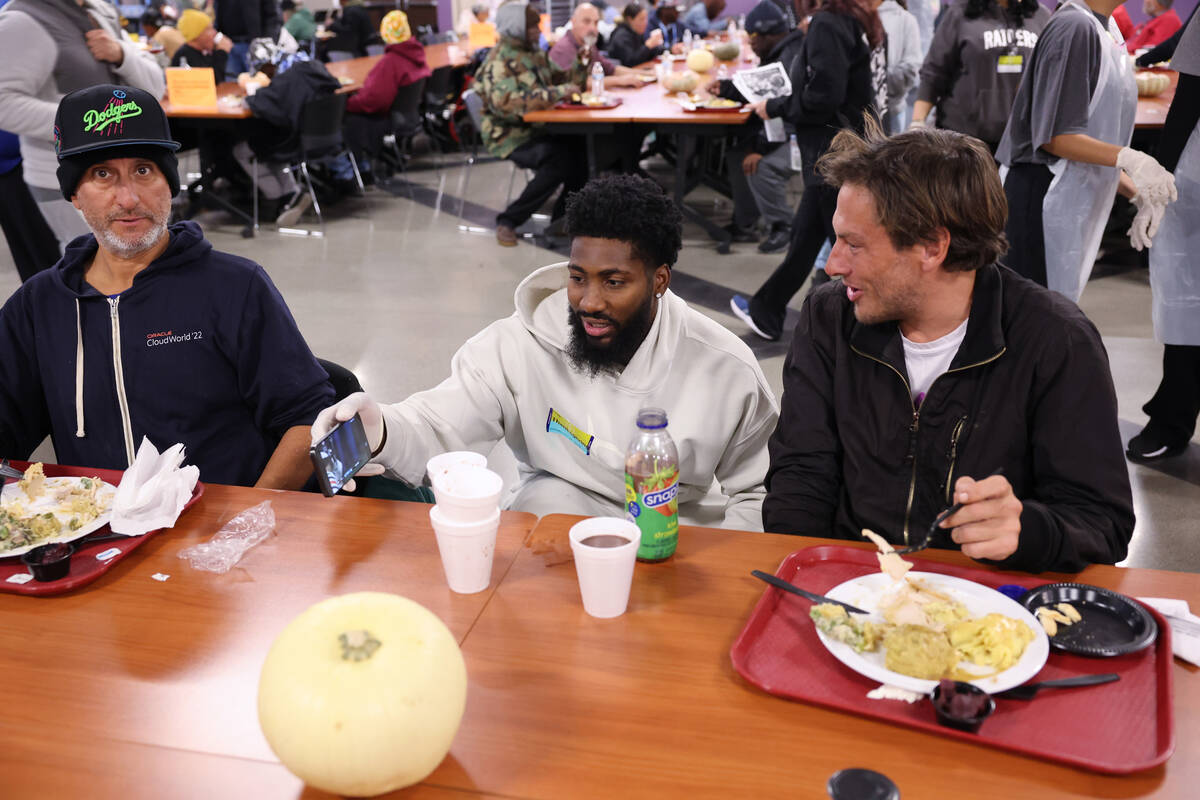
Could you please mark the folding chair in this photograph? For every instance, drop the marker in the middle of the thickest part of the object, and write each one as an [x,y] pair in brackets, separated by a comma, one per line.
[320,137]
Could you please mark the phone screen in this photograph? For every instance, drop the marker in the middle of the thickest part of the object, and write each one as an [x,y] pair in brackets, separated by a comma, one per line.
[340,454]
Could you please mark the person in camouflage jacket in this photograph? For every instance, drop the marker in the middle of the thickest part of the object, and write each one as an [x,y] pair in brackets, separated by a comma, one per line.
[517,78]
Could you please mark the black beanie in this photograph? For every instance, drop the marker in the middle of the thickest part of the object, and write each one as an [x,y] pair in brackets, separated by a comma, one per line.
[107,121]
[72,168]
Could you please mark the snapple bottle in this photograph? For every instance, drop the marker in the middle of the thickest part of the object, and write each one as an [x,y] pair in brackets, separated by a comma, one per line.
[652,486]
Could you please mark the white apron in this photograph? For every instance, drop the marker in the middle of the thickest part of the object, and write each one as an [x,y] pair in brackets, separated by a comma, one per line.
[1077,204]
[1175,256]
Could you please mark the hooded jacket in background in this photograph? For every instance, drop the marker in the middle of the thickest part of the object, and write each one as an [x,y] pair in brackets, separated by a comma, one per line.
[354,29]
[281,102]
[301,24]
[45,57]
[509,381]
[962,75]
[402,64]
[1028,391]
[904,55]
[200,350]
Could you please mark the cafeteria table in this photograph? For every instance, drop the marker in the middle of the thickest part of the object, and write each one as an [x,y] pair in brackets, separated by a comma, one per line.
[134,688]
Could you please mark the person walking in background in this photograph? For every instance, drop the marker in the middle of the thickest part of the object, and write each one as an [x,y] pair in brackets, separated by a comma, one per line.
[832,89]
[243,21]
[974,66]
[47,49]
[904,58]
[1175,270]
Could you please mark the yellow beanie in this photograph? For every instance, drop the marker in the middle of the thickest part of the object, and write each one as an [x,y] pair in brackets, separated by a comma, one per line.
[192,23]
[394,28]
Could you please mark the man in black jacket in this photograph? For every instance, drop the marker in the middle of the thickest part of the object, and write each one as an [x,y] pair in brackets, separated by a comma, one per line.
[758,168]
[929,366]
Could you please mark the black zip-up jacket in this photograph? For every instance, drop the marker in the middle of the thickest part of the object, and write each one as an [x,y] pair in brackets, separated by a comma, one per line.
[243,20]
[754,138]
[831,85]
[626,47]
[1029,391]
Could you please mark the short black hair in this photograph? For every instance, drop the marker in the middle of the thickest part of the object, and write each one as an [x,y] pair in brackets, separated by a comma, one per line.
[628,208]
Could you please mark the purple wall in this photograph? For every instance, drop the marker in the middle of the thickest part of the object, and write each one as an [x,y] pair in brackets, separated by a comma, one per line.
[446,15]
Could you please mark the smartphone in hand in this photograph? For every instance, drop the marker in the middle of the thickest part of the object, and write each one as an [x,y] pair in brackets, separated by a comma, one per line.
[339,455]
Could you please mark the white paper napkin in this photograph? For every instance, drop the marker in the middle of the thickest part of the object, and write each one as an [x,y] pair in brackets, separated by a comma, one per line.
[153,491]
[1185,626]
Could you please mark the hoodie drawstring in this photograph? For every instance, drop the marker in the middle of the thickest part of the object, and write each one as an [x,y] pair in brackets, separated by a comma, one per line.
[79,431]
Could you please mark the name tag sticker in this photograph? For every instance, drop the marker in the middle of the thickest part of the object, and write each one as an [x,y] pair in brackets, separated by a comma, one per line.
[110,553]
[1010,63]
[557,423]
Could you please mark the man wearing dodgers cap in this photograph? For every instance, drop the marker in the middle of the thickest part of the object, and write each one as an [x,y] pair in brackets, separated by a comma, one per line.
[143,329]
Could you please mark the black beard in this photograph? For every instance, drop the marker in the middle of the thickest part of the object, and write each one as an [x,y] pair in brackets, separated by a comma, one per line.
[591,359]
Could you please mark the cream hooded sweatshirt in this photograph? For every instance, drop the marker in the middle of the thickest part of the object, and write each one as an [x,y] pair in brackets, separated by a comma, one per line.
[513,379]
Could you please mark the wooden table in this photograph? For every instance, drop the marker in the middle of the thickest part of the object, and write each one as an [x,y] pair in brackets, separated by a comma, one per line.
[1152,111]
[130,678]
[135,688]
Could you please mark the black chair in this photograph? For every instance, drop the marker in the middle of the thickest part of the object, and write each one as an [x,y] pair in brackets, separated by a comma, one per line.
[406,122]
[320,136]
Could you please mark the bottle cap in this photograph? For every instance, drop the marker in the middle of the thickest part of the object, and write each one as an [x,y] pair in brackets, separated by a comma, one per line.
[652,419]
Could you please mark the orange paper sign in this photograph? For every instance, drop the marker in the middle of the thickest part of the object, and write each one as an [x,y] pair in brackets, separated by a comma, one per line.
[483,34]
[191,88]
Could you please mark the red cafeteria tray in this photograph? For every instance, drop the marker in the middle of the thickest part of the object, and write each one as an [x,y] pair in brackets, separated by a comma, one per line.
[1117,728]
[85,567]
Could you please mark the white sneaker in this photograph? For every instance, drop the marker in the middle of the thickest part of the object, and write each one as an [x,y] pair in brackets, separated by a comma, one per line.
[291,215]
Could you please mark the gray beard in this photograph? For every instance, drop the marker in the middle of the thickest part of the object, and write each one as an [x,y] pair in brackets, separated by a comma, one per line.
[128,248]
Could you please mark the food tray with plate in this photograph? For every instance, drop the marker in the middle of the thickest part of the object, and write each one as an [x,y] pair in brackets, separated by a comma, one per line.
[85,566]
[1115,728]
[609,102]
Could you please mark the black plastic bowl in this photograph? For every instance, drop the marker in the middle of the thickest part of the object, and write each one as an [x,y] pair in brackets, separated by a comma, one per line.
[49,562]
[945,717]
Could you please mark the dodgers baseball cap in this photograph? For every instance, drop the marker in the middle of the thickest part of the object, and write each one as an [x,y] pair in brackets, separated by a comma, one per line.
[108,121]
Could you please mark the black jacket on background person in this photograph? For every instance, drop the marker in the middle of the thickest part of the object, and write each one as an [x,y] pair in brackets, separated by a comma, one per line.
[280,103]
[626,47]
[186,54]
[754,138]
[354,30]
[243,20]
[1029,391]
[831,85]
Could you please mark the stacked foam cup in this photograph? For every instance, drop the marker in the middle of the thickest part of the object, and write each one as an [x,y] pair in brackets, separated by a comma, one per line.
[465,518]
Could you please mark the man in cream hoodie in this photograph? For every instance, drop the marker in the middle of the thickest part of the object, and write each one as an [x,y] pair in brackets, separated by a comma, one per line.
[49,48]
[592,341]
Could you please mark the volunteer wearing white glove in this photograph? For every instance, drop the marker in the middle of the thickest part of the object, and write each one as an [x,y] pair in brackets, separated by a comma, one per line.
[1066,150]
[561,381]
[1175,270]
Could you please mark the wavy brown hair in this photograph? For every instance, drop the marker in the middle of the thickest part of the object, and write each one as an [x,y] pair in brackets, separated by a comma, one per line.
[923,180]
[862,13]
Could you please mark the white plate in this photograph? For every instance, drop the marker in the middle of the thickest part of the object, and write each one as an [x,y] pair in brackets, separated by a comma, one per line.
[12,493]
[866,592]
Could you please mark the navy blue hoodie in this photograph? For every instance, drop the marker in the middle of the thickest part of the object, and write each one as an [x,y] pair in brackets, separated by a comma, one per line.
[208,351]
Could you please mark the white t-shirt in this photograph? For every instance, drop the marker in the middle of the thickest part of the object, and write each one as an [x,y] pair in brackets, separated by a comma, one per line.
[925,361]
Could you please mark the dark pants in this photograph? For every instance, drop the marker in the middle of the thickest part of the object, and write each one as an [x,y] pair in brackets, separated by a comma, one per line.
[364,134]
[555,161]
[1176,404]
[32,243]
[1025,187]
[811,228]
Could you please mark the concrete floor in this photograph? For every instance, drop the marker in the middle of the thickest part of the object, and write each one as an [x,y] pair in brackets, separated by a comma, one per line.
[399,281]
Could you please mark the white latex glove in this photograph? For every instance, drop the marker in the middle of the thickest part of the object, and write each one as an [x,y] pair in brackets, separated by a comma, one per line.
[1153,182]
[1145,223]
[915,124]
[372,418]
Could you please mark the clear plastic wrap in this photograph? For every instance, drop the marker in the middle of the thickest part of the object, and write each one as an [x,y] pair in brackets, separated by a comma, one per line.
[236,536]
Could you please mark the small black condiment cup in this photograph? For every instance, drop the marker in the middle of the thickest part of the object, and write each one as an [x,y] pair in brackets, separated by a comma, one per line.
[968,724]
[49,562]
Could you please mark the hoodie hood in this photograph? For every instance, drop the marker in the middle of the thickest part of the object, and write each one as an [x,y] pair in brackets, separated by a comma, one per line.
[541,305]
[410,50]
[187,245]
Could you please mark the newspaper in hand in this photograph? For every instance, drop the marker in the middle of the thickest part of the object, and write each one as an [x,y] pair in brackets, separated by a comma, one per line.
[765,83]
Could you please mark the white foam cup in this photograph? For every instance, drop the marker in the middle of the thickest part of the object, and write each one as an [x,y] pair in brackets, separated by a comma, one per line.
[467,494]
[605,573]
[455,458]
[466,549]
